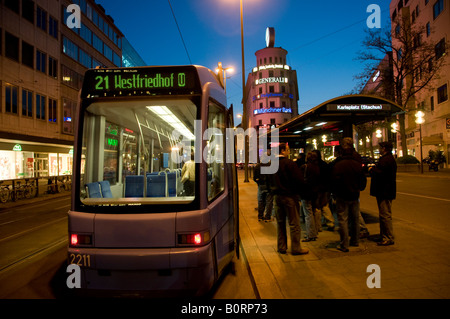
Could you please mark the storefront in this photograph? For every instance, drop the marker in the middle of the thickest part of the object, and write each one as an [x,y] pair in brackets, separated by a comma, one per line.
[21,159]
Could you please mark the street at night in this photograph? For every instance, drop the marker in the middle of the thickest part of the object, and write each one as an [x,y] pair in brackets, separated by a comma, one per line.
[416,267]
[224,157]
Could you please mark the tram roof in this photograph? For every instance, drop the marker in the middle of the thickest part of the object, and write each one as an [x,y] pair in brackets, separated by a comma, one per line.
[338,112]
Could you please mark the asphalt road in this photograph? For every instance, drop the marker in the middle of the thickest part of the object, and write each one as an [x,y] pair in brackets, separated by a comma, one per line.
[33,239]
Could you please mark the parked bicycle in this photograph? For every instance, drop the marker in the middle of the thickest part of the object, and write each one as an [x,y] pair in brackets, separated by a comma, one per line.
[4,193]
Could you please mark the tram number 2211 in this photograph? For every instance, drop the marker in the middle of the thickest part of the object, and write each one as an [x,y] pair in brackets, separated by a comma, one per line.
[81,260]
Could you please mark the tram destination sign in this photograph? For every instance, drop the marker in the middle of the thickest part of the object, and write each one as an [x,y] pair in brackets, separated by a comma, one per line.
[140,81]
[358,107]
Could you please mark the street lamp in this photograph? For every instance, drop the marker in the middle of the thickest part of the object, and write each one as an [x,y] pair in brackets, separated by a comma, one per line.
[222,74]
[420,120]
[244,98]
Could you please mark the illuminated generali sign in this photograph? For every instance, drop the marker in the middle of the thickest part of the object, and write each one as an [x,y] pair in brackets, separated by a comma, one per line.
[271,80]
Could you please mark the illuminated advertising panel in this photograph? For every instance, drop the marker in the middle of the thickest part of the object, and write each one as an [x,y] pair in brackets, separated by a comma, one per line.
[272,110]
[358,107]
[141,81]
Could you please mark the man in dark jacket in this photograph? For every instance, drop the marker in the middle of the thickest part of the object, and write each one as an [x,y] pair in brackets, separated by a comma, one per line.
[347,181]
[265,196]
[383,187]
[285,183]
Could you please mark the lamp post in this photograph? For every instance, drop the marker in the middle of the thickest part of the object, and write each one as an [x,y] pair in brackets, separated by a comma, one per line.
[244,98]
[222,74]
[420,120]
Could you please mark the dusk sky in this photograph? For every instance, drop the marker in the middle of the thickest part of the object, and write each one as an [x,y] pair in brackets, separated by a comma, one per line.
[322,38]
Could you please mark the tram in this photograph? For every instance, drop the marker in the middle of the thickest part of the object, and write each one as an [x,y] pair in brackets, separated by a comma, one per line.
[154,200]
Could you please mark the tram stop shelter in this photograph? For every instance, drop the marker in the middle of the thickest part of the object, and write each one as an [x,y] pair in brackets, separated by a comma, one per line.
[326,124]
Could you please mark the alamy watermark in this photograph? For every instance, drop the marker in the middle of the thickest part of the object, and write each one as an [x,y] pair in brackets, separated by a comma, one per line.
[74,19]
[213,152]
[374,19]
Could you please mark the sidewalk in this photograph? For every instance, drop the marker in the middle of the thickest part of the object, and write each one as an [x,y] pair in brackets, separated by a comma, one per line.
[416,267]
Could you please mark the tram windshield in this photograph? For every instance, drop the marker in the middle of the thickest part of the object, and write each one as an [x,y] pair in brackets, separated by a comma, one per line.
[138,152]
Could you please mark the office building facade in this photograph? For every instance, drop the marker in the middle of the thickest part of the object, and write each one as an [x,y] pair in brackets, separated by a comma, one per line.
[433,17]
[44,53]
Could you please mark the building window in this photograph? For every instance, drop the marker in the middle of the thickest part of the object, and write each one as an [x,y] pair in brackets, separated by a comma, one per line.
[41,19]
[27,54]
[85,59]
[71,78]
[52,67]
[11,46]
[68,107]
[432,103]
[11,98]
[27,103]
[272,121]
[437,8]
[117,59]
[271,104]
[41,61]
[97,43]
[13,5]
[40,107]
[70,49]
[28,10]
[53,27]
[52,107]
[86,33]
[442,94]
[439,48]
[428,29]
[108,52]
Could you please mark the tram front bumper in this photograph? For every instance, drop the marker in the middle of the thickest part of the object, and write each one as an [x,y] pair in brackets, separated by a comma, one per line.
[155,269]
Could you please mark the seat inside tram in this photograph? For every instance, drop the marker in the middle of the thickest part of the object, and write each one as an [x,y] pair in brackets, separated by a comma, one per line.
[136,150]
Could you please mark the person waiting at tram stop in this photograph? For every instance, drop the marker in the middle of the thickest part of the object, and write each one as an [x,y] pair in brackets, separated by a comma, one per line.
[347,180]
[285,183]
[265,196]
[363,230]
[308,194]
[383,188]
[321,204]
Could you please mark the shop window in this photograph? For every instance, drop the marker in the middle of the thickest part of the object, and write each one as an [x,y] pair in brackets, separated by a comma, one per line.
[11,98]
[27,103]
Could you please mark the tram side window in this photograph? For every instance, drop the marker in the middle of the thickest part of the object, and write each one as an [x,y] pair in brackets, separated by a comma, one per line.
[110,161]
[215,155]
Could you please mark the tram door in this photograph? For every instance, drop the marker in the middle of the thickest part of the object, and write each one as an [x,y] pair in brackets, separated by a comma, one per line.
[233,181]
